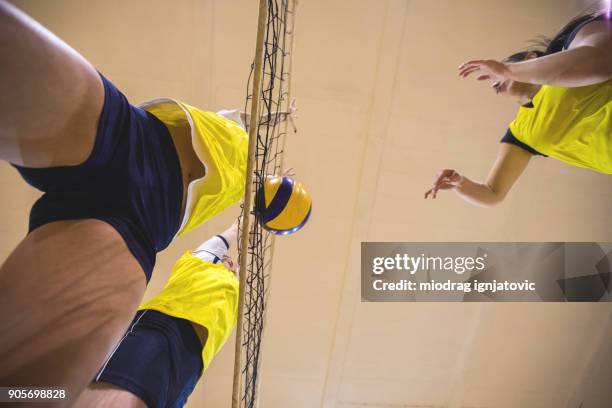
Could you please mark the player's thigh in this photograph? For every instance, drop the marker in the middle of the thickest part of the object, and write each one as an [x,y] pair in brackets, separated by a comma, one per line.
[51,96]
[67,294]
[105,395]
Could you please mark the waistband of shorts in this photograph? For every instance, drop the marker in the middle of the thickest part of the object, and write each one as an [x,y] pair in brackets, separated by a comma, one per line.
[182,327]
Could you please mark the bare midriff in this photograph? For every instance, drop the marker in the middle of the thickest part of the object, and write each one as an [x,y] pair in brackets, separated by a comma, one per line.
[201,332]
[191,166]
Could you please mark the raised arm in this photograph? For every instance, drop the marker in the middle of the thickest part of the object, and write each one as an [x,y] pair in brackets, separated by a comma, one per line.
[216,247]
[276,118]
[231,234]
[588,61]
[510,163]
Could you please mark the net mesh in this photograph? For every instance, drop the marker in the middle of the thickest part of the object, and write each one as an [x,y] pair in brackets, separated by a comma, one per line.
[274,101]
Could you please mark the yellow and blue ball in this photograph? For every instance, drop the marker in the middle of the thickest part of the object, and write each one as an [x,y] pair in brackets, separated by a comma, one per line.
[282,205]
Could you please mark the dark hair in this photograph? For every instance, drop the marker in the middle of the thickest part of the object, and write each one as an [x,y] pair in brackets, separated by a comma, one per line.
[543,45]
[520,56]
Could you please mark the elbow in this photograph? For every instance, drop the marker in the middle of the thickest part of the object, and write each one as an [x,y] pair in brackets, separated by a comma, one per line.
[481,195]
[599,69]
[494,197]
[490,202]
[602,73]
[594,67]
[494,203]
[605,67]
[608,70]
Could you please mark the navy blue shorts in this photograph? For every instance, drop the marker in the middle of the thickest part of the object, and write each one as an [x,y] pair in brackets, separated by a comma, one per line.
[132,180]
[159,359]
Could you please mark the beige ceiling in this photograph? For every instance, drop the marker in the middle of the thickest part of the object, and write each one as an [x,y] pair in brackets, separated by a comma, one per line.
[381,110]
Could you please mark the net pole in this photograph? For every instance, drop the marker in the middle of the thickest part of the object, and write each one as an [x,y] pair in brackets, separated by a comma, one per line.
[248,200]
[291,6]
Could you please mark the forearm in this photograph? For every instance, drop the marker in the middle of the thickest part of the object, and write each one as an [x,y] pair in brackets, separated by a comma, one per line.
[231,234]
[273,119]
[477,193]
[580,66]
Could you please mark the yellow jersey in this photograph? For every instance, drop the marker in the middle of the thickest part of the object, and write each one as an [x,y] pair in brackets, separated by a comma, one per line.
[573,125]
[221,145]
[203,293]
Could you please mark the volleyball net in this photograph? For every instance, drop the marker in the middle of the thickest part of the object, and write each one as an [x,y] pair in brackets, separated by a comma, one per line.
[268,96]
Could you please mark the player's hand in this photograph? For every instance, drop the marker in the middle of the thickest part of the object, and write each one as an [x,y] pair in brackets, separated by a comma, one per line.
[293,108]
[229,263]
[445,180]
[489,69]
[290,172]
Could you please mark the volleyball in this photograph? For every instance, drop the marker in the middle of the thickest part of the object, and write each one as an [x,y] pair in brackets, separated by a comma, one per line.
[282,205]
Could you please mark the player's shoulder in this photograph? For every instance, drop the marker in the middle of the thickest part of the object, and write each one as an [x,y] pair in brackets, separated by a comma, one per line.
[594,32]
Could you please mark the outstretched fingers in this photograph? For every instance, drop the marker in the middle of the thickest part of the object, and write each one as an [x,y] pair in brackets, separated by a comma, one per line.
[469,68]
[445,180]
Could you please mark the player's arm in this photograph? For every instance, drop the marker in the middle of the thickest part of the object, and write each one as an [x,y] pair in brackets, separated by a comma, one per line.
[215,248]
[588,60]
[276,118]
[510,164]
